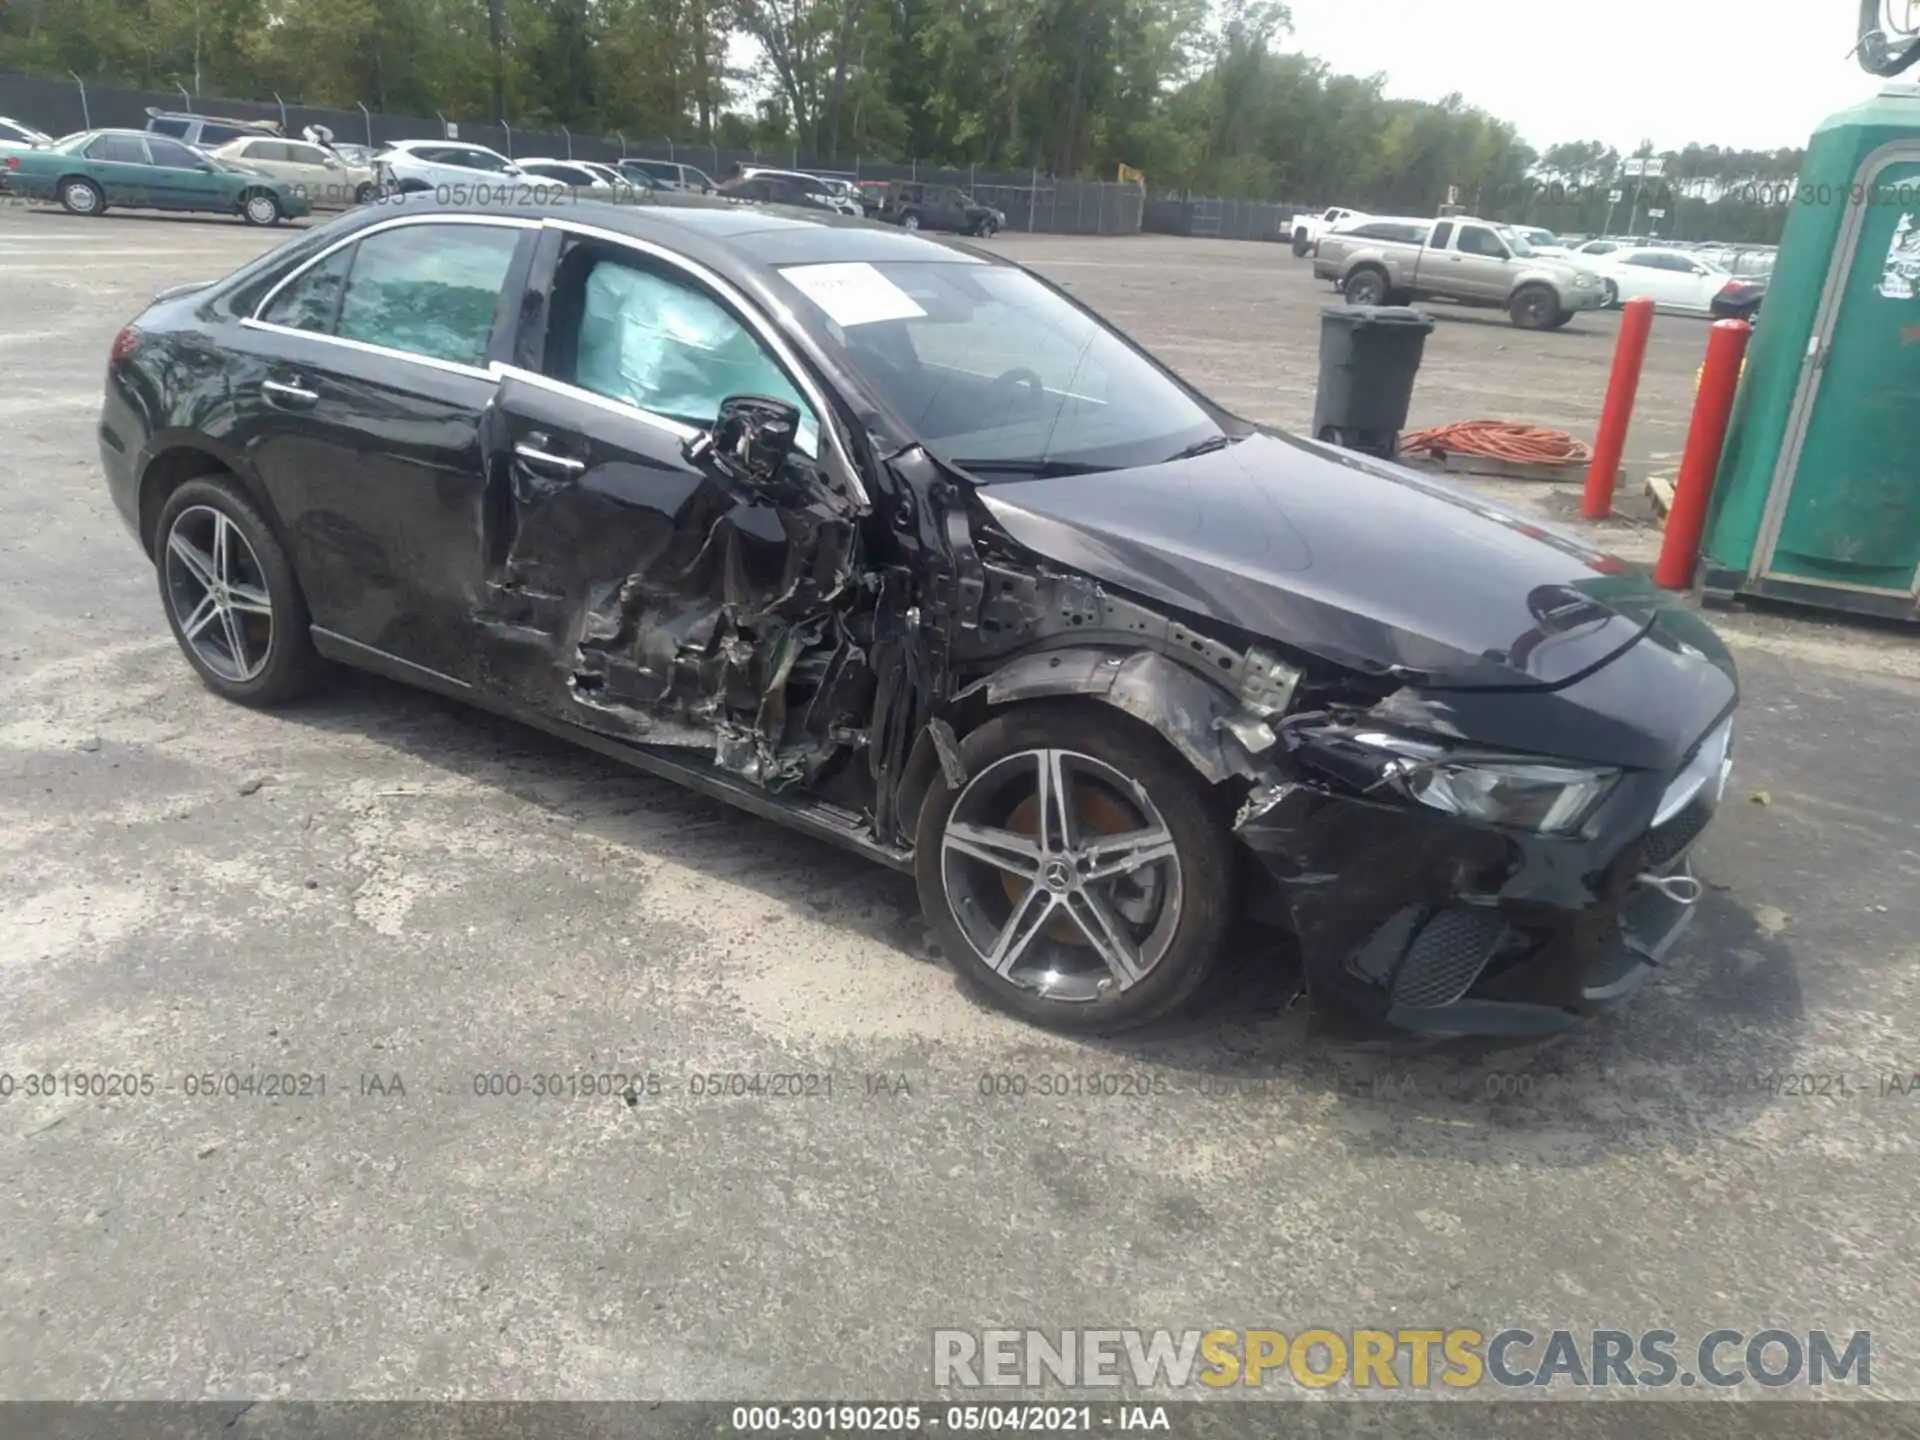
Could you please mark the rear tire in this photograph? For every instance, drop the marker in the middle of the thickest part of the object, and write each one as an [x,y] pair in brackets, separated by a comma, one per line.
[1366,287]
[1161,922]
[82,197]
[364,195]
[1533,307]
[1300,245]
[231,597]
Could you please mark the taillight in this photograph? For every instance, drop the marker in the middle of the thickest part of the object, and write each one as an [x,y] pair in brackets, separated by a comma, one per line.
[124,344]
[13,162]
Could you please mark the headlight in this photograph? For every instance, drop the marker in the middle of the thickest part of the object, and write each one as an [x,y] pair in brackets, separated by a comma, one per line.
[1530,795]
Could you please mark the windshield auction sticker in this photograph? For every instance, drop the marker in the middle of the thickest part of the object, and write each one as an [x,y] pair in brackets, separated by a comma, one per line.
[853,293]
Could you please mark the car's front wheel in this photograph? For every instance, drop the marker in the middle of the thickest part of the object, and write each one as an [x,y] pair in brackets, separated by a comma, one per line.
[82,197]
[1080,877]
[1609,294]
[909,221]
[260,208]
[231,597]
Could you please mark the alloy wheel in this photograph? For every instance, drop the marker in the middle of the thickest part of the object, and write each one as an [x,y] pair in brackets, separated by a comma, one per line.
[1062,874]
[912,222]
[218,594]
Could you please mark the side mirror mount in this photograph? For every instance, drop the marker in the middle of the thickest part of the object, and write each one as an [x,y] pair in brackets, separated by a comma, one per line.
[750,440]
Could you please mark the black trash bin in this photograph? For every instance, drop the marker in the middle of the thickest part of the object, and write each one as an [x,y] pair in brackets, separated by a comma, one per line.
[1369,355]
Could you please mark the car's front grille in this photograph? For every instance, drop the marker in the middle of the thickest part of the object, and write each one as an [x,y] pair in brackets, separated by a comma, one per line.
[1666,843]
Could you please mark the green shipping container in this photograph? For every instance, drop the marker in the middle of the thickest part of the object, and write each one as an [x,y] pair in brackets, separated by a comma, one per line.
[1818,494]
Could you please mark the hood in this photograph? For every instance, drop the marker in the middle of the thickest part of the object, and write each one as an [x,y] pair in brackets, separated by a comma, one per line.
[1359,562]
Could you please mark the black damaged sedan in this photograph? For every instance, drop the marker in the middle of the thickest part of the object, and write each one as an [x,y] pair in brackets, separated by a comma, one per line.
[892,541]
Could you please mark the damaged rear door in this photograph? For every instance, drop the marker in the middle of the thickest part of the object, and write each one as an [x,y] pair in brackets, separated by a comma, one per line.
[638,591]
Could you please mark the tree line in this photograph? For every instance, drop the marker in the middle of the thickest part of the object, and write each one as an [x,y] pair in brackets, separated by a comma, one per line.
[1201,97]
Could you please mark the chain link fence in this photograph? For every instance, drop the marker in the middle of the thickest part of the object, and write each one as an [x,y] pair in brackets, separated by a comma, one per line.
[1209,217]
[1032,201]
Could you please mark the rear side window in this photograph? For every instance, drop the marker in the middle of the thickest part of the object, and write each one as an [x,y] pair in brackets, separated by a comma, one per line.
[428,289]
[118,150]
[211,134]
[1442,233]
[313,301]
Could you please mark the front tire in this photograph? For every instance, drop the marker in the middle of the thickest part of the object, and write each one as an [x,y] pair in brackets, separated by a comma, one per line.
[1609,294]
[82,197]
[260,208]
[231,597]
[909,221]
[1300,245]
[364,195]
[1081,877]
[1534,307]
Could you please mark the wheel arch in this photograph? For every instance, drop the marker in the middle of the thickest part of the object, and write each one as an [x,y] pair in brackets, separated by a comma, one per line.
[170,467]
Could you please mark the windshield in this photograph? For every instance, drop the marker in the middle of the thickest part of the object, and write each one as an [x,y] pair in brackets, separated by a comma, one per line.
[999,373]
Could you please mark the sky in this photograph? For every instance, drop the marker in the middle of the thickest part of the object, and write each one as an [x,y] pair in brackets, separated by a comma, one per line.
[1749,76]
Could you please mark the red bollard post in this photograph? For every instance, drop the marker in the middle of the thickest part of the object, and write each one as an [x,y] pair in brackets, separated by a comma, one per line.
[1706,438]
[1636,324]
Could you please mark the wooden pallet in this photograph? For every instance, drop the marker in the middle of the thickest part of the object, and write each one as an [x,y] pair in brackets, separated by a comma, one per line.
[1453,464]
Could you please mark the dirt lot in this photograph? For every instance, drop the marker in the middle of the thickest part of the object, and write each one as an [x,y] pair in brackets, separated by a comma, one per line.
[407,899]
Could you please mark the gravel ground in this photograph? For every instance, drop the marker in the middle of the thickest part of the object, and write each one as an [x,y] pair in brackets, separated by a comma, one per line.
[387,891]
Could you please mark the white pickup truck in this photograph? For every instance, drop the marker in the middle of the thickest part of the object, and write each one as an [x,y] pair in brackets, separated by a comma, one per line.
[1307,229]
[1392,262]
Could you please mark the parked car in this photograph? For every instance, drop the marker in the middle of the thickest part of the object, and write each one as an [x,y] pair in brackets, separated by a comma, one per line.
[839,194]
[1306,230]
[913,205]
[327,182]
[580,177]
[771,188]
[1541,242]
[88,172]
[205,133]
[1460,259]
[637,183]
[16,136]
[1676,281]
[359,156]
[908,550]
[410,166]
[670,175]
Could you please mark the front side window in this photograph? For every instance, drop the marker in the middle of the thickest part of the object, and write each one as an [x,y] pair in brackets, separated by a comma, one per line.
[428,289]
[172,155]
[998,372]
[1475,240]
[649,339]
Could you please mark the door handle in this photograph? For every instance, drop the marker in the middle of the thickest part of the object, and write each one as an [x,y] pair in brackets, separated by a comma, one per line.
[290,393]
[534,455]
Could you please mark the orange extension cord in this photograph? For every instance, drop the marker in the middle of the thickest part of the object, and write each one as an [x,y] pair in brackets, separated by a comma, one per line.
[1500,440]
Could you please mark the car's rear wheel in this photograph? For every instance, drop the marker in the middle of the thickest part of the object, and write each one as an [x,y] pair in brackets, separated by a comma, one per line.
[364,195]
[82,197]
[1300,245]
[1080,877]
[260,208]
[1366,287]
[231,597]
[1533,307]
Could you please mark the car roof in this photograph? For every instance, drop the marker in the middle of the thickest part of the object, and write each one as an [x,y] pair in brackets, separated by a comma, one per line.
[744,241]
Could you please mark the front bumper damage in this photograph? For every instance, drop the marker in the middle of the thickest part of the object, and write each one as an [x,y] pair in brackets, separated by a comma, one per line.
[1412,920]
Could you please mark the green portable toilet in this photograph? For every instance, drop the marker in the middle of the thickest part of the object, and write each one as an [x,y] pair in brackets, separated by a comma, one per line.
[1818,494]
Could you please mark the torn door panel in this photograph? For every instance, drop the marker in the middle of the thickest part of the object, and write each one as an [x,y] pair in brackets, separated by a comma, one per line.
[675,608]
